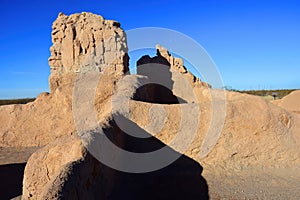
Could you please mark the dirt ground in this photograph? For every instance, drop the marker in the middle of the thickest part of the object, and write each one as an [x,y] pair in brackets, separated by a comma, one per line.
[15,155]
[12,165]
[279,184]
[245,184]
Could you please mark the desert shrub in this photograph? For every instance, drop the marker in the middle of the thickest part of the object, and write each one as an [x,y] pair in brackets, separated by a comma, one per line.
[15,101]
[279,93]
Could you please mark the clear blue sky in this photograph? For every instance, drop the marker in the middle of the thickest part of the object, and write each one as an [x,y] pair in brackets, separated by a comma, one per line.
[255,44]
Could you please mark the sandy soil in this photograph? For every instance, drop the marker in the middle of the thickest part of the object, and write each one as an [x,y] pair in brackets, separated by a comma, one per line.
[253,184]
[15,155]
[290,102]
[12,164]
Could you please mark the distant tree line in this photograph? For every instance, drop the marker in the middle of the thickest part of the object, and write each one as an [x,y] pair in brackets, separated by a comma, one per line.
[278,93]
[15,101]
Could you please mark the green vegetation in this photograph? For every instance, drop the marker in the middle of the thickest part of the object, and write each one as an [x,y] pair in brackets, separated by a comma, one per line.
[279,93]
[264,93]
[16,101]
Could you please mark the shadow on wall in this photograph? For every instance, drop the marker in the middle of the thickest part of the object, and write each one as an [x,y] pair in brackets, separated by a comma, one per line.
[159,90]
[180,180]
[11,177]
